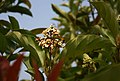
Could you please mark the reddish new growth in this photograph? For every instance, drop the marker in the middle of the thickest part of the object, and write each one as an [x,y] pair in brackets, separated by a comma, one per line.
[51,39]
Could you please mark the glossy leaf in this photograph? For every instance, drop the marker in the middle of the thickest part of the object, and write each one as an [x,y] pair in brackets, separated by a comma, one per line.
[36,52]
[59,11]
[71,3]
[37,30]
[108,73]
[4,30]
[118,7]
[83,44]
[65,4]
[53,76]
[5,23]
[12,57]
[105,32]
[29,44]
[25,80]
[74,6]
[3,43]
[108,15]
[14,23]
[26,32]
[27,63]
[57,18]
[12,1]
[30,71]
[19,38]
[13,72]
[27,2]
[20,9]
[11,47]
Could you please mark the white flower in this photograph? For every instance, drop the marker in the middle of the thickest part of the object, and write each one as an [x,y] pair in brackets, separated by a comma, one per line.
[51,38]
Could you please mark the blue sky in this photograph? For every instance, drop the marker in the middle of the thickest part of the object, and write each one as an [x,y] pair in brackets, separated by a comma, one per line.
[42,14]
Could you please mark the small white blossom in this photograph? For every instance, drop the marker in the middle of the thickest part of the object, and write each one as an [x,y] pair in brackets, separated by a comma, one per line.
[51,38]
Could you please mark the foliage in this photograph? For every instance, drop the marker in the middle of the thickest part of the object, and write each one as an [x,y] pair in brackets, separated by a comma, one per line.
[93,30]
[90,34]
[12,6]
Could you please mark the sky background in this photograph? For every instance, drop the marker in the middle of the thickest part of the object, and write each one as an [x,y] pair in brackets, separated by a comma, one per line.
[42,14]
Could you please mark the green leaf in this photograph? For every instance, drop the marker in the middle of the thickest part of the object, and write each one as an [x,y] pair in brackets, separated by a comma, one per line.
[72,17]
[83,44]
[74,6]
[14,23]
[59,11]
[65,4]
[29,44]
[11,47]
[57,19]
[20,9]
[37,30]
[105,32]
[12,1]
[25,80]
[108,15]
[3,43]
[27,2]
[4,30]
[5,23]
[71,3]
[118,6]
[12,57]
[19,38]
[30,71]
[108,73]
[27,63]
[1,4]
[26,32]
[36,51]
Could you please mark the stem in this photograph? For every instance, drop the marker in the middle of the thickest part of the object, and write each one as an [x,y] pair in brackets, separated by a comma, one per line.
[92,11]
[72,31]
[32,78]
[50,66]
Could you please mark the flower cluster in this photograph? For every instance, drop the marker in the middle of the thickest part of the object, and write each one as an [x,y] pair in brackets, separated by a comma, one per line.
[88,62]
[51,38]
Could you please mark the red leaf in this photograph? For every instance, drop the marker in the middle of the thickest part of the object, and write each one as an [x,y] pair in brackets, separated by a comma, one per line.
[4,66]
[37,74]
[13,71]
[55,71]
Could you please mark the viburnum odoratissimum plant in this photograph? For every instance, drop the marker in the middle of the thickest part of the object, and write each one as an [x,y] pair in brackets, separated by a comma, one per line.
[51,42]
